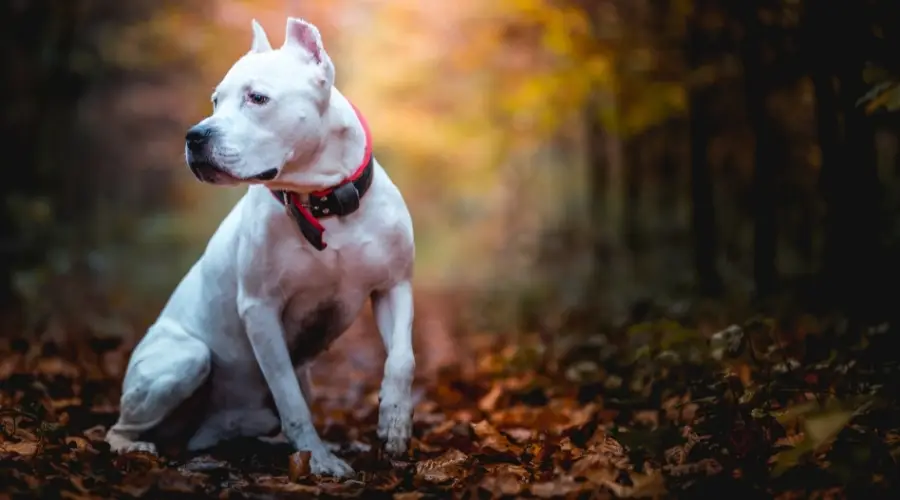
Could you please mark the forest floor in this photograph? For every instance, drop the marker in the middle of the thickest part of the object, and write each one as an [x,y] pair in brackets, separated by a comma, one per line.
[663,408]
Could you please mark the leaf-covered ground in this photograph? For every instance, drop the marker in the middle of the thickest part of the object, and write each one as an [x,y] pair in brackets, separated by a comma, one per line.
[661,409]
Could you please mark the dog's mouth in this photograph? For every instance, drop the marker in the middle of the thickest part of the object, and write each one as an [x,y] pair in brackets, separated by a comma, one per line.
[211,174]
[267,175]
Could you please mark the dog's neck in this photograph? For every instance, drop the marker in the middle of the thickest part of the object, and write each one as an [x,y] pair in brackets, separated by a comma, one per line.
[339,154]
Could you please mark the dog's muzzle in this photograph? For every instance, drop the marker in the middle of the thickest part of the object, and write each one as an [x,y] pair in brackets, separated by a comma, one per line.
[197,144]
[207,172]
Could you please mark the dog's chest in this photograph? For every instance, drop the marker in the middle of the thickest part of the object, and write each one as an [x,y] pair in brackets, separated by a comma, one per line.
[310,329]
[326,293]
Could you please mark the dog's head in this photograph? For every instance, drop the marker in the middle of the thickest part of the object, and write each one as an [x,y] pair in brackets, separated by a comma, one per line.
[267,111]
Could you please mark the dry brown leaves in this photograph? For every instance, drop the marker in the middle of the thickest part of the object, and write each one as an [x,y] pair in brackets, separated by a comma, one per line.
[486,433]
[487,436]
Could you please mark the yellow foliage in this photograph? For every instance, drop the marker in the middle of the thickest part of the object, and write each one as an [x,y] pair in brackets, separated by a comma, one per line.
[885,95]
[655,102]
[567,64]
[453,91]
[149,45]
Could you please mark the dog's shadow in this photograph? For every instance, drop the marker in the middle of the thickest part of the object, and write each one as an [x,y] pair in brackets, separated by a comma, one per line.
[244,455]
[268,456]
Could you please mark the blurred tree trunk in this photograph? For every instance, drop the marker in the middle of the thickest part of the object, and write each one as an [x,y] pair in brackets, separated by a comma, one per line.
[598,181]
[7,252]
[633,179]
[61,173]
[607,176]
[670,198]
[703,217]
[849,179]
[756,92]
[667,201]
[38,99]
[59,94]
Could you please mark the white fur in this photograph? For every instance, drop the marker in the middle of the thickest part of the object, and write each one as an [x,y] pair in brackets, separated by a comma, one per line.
[251,297]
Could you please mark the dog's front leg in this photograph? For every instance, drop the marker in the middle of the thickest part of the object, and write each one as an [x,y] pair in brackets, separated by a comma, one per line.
[266,335]
[393,310]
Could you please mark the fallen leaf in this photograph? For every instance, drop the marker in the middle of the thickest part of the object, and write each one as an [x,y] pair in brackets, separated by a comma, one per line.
[55,366]
[411,495]
[283,484]
[386,482]
[59,404]
[707,466]
[24,448]
[520,435]
[647,418]
[676,455]
[650,485]
[172,481]
[204,463]
[79,443]
[96,433]
[606,445]
[597,468]
[493,442]
[558,487]
[555,417]
[505,479]
[298,465]
[445,468]
[488,403]
[420,446]
[570,448]
[791,414]
[821,429]
[580,416]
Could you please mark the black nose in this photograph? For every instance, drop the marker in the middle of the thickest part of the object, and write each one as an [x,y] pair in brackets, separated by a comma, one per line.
[197,136]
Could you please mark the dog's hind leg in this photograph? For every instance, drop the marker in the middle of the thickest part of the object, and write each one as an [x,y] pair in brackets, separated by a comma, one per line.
[230,424]
[166,368]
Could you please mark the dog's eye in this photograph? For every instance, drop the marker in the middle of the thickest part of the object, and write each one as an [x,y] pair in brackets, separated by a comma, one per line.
[257,98]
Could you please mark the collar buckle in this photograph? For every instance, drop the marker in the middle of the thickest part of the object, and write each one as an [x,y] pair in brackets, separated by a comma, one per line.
[347,197]
[287,199]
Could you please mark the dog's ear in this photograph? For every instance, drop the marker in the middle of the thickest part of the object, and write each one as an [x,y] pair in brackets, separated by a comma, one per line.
[304,36]
[260,40]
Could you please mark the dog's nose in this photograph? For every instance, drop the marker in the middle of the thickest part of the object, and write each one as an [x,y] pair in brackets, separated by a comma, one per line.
[197,136]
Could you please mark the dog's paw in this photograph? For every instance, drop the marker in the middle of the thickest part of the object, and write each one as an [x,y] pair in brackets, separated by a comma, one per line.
[395,426]
[122,444]
[141,446]
[326,463]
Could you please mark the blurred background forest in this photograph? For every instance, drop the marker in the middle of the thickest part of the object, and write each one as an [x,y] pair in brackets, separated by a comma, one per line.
[564,160]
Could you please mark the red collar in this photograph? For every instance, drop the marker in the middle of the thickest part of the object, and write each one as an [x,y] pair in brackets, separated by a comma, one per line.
[339,200]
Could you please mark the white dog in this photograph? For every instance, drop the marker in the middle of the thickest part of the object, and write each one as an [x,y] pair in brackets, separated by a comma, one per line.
[320,230]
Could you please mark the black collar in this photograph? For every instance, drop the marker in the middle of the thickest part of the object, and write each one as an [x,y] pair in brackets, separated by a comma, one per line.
[337,201]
